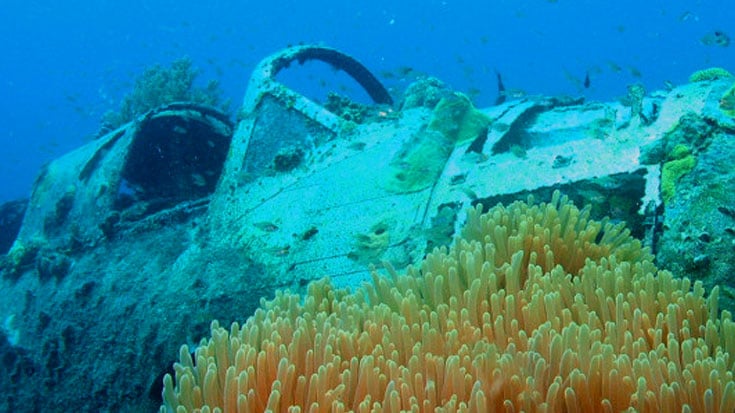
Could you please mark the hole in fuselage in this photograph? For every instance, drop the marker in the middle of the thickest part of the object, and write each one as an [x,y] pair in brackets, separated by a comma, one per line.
[172,159]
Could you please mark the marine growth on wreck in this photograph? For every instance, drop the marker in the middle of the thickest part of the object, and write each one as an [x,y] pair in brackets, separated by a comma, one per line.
[415,251]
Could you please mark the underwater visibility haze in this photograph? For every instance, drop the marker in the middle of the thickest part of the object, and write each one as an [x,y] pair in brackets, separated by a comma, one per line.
[367,206]
[65,64]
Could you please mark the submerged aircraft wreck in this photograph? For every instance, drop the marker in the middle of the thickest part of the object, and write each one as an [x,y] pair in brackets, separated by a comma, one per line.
[131,245]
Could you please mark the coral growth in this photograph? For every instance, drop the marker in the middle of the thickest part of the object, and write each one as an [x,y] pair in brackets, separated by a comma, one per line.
[680,163]
[159,85]
[534,308]
[727,102]
[712,73]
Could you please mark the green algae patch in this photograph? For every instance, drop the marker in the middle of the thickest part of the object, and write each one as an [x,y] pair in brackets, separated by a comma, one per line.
[419,162]
[727,102]
[712,73]
[421,159]
[458,119]
[674,169]
[680,151]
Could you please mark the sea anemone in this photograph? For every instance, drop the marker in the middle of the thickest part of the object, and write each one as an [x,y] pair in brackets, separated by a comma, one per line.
[534,308]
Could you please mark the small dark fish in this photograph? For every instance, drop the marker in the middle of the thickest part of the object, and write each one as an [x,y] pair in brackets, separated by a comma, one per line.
[198,180]
[309,233]
[614,66]
[266,226]
[473,92]
[405,70]
[501,89]
[586,80]
[716,38]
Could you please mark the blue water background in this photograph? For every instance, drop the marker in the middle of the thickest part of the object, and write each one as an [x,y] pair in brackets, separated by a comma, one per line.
[65,63]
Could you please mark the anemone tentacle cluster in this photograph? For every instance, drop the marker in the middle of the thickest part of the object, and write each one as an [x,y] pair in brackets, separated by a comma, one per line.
[534,308]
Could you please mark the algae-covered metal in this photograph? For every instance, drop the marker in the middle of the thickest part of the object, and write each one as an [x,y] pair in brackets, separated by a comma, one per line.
[133,243]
